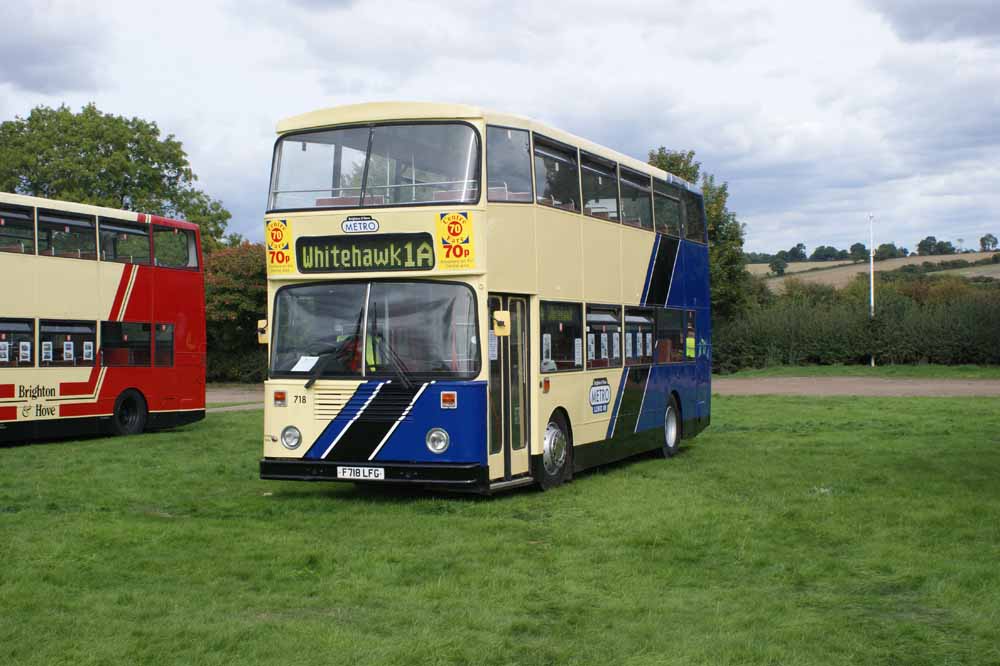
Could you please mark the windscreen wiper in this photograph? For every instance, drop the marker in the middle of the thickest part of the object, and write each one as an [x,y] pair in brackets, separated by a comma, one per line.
[323,357]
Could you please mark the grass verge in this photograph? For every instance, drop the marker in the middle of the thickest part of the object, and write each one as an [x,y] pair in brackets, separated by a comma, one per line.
[879,371]
[793,531]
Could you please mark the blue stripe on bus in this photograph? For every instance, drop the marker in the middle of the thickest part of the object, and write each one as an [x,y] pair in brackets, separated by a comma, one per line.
[649,270]
[618,403]
[341,421]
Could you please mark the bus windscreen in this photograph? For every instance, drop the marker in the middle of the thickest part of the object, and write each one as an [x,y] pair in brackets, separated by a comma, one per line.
[383,165]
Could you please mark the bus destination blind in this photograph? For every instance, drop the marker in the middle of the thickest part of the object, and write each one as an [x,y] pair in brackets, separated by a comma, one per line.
[357,254]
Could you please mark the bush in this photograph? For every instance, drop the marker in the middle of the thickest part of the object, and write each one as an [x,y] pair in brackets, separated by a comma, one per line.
[235,298]
[244,366]
[945,320]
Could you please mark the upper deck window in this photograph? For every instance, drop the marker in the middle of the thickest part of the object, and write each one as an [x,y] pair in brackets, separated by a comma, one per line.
[126,242]
[600,187]
[174,248]
[17,230]
[381,165]
[508,164]
[66,235]
[694,217]
[667,206]
[556,180]
[637,207]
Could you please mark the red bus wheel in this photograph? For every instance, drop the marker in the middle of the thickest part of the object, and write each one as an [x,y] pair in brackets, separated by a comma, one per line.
[130,413]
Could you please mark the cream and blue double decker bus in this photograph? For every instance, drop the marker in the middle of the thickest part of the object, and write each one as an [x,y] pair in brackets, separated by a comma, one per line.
[475,301]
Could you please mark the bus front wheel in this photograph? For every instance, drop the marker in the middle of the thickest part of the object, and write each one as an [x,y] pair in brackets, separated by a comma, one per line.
[671,429]
[130,413]
[557,454]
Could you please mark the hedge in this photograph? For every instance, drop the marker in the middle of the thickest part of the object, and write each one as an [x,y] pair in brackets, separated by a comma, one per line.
[947,322]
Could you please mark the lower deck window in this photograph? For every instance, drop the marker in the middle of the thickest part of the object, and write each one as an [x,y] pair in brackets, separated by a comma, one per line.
[639,336]
[66,344]
[17,338]
[164,353]
[562,336]
[669,336]
[125,343]
[604,329]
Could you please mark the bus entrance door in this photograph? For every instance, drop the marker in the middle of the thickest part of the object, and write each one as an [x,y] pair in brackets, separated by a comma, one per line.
[508,389]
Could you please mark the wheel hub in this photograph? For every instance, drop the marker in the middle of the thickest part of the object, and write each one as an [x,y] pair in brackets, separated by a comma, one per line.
[554,450]
[670,428]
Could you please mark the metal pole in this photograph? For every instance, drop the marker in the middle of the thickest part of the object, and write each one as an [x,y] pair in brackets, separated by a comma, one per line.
[871,273]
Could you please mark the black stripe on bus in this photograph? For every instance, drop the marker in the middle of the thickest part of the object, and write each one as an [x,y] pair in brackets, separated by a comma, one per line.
[374,423]
[663,267]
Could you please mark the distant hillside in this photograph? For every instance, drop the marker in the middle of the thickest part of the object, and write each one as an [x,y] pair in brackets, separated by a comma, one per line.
[839,275]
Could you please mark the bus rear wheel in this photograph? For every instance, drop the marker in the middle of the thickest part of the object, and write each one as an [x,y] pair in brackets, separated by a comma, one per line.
[671,429]
[130,413]
[556,465]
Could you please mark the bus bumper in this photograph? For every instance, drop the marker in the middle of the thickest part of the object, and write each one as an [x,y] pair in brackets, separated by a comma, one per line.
[471,477]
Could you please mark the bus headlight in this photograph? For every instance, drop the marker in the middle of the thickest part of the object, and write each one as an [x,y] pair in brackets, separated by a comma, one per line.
[291,437]
[438,440]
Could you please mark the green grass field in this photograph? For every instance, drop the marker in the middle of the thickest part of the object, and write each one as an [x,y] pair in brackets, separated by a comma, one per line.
[793,531]
[880,371]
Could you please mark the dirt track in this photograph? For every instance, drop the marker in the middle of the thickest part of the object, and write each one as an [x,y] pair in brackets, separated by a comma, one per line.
[253,395]
[861,386]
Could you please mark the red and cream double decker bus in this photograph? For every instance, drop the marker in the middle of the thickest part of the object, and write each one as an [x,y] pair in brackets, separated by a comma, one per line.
[102,320]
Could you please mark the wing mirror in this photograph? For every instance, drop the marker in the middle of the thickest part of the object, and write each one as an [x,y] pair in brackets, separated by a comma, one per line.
[501,323]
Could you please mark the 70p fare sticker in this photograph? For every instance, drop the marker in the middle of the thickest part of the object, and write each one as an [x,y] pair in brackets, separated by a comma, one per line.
[280,258]
[455,247]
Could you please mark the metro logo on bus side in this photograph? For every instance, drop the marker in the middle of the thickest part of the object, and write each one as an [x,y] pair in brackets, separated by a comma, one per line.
[600,396]
[279,247]
[456,250]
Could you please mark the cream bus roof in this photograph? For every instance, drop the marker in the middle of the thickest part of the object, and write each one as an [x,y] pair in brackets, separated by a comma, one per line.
[386,111]
[85,209]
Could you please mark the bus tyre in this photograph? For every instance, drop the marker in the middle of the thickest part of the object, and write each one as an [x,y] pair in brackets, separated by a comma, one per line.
[671,429]
[130,413]
[557,454]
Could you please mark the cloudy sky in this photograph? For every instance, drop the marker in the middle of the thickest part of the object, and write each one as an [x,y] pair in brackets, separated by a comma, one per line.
[815,113]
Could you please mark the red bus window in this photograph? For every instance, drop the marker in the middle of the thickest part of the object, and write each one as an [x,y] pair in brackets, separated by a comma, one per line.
[66,344]
[66,235]
[125,242]
[17,230]
[17,337]
[174,248]
[125,343]
[164,352]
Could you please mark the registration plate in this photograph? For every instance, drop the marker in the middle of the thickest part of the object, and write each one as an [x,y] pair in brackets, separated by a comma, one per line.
[361,473]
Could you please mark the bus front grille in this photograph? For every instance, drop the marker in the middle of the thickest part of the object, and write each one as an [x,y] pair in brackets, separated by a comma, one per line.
[328,402]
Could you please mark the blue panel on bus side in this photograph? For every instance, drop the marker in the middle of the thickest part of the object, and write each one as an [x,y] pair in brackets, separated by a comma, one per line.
[679,377]
[466,426]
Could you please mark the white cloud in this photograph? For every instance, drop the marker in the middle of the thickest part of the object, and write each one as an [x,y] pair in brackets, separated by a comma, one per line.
[814,113]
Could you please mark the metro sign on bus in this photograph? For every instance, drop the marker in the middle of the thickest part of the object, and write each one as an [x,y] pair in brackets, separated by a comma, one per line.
[456,250]
[279,247]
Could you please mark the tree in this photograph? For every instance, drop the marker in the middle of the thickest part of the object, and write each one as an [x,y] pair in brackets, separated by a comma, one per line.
[98,158]
[778,266]
[826,253]
[797,253]
[927,246]
[988,243]
[859,252]
[731,283]
[235,298]
[886,251]
[944,247]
